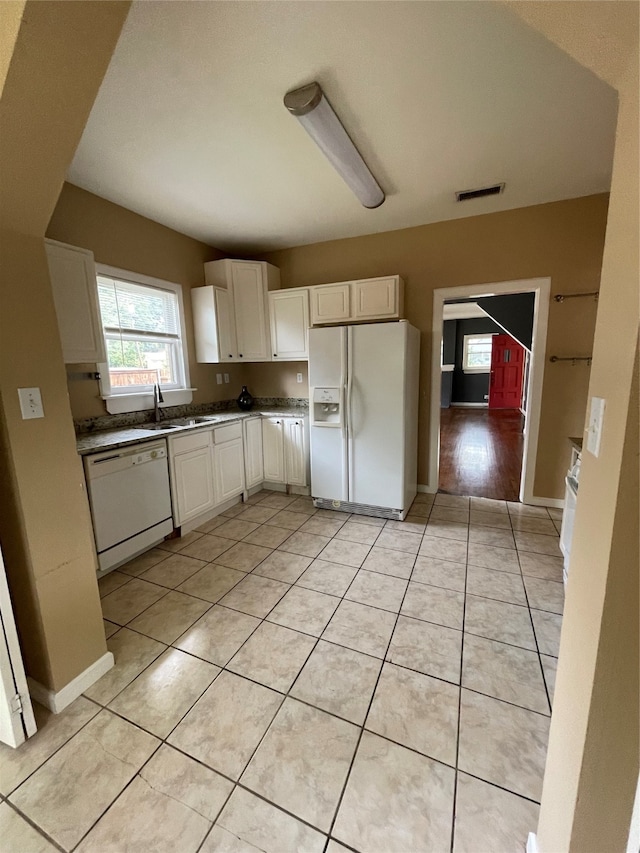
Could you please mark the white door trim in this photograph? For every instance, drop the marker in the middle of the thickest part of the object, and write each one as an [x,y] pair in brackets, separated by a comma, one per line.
[16,713]
[541,288]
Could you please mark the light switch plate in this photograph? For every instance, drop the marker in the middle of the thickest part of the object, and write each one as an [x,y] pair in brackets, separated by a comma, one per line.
[219,378]
[226,378]
[30,403]
[594,427]
[298,377]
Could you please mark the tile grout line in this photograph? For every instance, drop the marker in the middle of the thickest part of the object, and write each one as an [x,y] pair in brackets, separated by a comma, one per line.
[457,758]
[32,824]
[535,638]
[368,711]
[317,640]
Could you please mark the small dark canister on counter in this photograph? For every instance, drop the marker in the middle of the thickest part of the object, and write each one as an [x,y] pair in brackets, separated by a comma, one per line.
[245,400]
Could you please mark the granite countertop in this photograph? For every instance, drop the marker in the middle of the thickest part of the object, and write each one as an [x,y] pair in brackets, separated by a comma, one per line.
[111,439]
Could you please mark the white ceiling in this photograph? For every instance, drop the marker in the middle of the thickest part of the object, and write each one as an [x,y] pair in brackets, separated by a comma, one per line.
[189,128]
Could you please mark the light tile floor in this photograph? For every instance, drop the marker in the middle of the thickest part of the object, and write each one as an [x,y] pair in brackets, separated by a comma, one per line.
[296,680]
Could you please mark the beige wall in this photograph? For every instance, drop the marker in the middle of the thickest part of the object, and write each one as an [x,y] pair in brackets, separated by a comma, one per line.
[563,240]
[120,238]
[592,764]
[277,380]
[57,63]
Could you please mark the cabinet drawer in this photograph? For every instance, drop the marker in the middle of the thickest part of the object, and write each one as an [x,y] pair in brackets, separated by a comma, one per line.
[193,441]
[227,433]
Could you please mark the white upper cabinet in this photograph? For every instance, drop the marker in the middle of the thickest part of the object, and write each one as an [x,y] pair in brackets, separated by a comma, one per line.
[75,295]
[289,318]
[213,325]
[358,301]
[247,283]
[330,303]
[377,298]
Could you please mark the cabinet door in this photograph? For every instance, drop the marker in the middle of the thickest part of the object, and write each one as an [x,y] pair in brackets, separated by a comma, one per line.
[330,303]
[249,304]
[253,463]
[375,298]
[229,470]
[273,450]
[213,325]
[192,484]
[295,452]
[226,325]
[75,296]
[289,317]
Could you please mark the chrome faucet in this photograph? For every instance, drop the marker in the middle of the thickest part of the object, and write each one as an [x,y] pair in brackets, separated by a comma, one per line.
[157,399]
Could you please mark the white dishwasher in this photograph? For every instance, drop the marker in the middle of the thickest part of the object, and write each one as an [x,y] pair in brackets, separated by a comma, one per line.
[130,501]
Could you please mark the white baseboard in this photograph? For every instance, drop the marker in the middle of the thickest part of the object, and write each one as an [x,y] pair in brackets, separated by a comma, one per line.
[554,503]
[532,843]
[469,405]
[285,489]
[57,702]
[208,515]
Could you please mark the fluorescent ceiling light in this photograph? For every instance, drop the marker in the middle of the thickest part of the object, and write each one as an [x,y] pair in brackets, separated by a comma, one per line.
[314,112]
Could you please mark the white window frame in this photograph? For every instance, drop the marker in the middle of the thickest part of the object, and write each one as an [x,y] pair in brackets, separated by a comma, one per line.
[465,352]
[119,402]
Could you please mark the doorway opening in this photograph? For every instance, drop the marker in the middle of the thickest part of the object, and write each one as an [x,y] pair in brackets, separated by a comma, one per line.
[487,374]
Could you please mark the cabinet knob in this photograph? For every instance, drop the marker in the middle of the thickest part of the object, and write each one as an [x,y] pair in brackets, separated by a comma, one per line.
[230,356]
[275,355]
[240,354]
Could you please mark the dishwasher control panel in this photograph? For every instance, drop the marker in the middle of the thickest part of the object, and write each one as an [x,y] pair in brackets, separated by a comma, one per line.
[149,455]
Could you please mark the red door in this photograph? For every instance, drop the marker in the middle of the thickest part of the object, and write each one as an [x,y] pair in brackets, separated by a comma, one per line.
[507,368]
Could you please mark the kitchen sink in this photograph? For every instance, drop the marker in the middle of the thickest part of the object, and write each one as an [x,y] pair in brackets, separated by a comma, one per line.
[160,426]
[193,421]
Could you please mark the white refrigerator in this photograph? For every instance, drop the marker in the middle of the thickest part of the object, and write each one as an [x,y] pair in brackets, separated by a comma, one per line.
[364,417]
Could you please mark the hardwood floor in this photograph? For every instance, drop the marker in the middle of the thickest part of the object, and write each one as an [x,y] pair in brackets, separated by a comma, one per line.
[481,452]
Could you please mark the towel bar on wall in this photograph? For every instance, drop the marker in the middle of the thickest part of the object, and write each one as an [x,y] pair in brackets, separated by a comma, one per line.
[560,297]
[74,377]
[572,358]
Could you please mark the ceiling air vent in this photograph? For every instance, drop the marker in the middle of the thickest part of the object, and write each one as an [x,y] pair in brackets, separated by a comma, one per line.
[465,195]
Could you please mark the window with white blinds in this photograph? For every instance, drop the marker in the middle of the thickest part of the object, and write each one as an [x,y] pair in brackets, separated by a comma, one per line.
[142,331]
[476,353]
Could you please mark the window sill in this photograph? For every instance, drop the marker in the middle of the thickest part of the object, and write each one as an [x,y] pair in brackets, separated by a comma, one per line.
[476,370]
[118,404]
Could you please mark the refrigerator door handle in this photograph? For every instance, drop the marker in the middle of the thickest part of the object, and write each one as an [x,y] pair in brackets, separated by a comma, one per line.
[349,432]
[345,445]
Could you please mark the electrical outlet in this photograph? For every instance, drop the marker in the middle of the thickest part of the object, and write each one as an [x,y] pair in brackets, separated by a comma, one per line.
[226,378]
[486,396]
[30,403]
[298,377]
[219,378]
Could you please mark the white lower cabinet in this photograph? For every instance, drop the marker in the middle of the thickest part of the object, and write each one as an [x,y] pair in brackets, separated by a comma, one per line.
[253,459]
[191,476]
[228,462]
[284,447]
[273,450]
[295,456]
[210,466]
